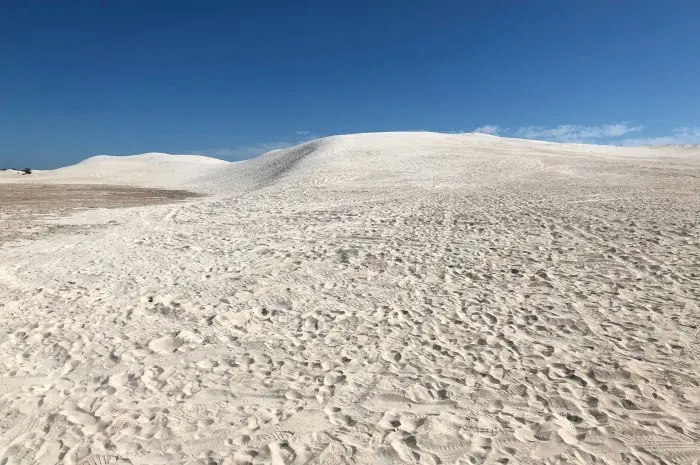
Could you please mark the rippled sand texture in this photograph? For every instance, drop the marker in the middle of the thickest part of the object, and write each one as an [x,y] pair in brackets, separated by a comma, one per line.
[374,299]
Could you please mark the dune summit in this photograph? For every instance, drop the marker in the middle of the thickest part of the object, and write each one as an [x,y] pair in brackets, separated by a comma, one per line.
[413,157]
[372,298]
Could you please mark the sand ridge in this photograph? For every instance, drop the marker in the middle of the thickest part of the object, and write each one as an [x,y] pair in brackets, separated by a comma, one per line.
[369,299]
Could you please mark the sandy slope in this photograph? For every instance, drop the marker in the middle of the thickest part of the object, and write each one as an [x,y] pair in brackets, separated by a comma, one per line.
[377,298]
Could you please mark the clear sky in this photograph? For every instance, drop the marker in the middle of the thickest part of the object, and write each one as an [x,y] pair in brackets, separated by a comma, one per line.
[232,79]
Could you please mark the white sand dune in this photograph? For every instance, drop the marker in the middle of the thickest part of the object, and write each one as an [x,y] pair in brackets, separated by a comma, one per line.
[372,157]
[144,170]
[10,174]
[373,298]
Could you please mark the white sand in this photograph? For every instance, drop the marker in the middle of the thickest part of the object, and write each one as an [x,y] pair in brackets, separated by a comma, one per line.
[145,170]
[10,174]
[373,299]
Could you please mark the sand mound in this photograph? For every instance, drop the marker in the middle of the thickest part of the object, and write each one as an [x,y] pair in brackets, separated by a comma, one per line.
[407,157]
[10,173]
[376,298]
[145,170]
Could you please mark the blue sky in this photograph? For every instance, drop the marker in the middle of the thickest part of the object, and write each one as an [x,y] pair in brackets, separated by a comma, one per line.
[232,79]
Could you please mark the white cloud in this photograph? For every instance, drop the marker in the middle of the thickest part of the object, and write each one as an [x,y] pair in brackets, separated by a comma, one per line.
[488,129]
[617,130]
[249,151]
[680,136]
[576,133]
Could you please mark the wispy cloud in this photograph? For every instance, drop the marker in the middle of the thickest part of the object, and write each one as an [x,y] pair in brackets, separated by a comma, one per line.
[575,133]
[244,152]
[489,129]
[571,133]
[680,136]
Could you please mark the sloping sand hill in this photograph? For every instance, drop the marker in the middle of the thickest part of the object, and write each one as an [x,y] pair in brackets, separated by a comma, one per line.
[374,298]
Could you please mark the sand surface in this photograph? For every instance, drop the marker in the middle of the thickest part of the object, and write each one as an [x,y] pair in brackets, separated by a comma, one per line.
[371,299]
[26,209]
